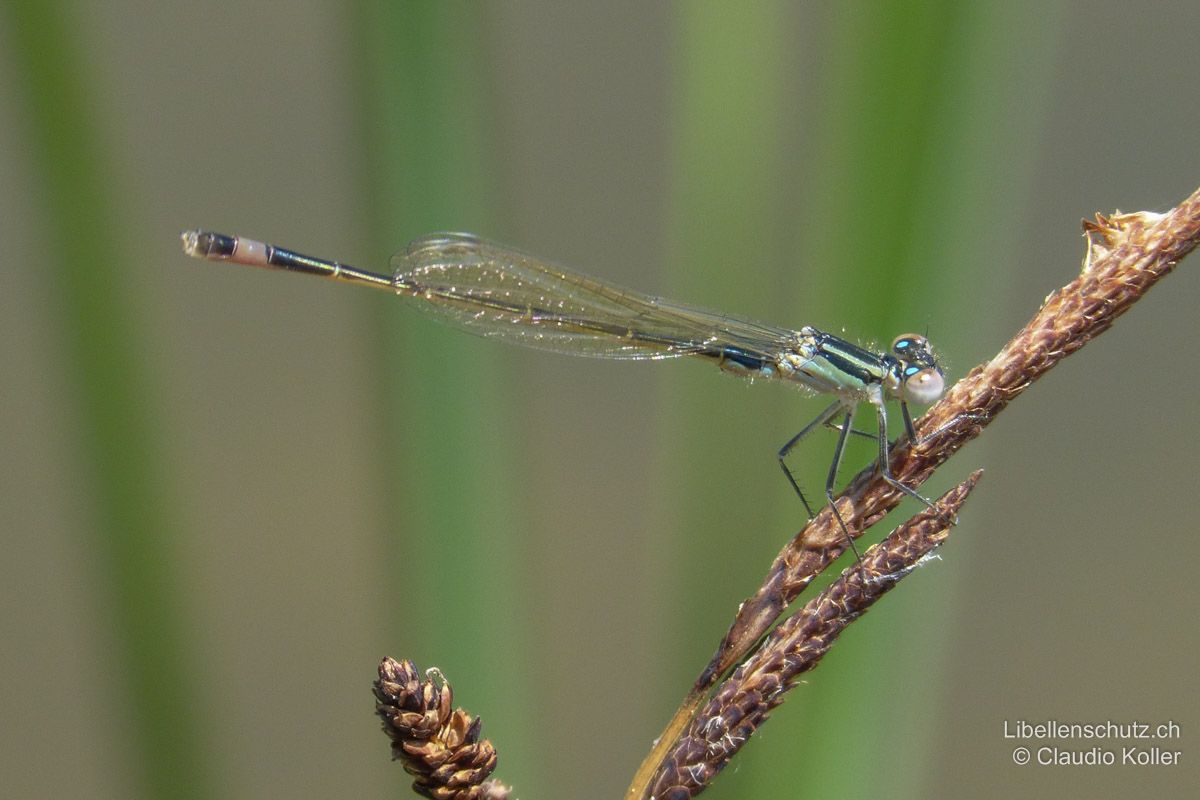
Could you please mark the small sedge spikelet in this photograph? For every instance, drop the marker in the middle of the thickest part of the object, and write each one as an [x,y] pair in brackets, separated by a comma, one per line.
[438,744]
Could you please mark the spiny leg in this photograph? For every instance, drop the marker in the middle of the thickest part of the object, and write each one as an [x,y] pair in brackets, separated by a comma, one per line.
[885,469]
[853,431]
[908,423]
[831,482]
[945,426]
[822,419]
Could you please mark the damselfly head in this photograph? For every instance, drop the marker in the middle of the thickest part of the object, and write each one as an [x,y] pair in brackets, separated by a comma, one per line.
[918,378]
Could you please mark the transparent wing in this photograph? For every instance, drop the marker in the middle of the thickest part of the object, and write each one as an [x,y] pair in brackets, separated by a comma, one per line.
[492,291]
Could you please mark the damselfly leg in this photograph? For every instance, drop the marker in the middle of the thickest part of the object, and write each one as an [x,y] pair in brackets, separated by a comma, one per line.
[827,419]
[822,420]
[885,468]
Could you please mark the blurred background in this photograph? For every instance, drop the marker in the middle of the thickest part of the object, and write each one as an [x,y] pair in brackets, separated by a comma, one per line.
[226,493]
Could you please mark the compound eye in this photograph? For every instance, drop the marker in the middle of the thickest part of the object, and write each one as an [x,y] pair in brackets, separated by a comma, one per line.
[908,343]
[923,386]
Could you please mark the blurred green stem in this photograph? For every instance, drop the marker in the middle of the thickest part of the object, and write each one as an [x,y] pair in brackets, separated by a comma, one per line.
[121,460]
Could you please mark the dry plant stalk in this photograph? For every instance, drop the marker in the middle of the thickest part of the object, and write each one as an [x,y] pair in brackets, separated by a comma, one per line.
[438,744]
[1127,254]
[794,647]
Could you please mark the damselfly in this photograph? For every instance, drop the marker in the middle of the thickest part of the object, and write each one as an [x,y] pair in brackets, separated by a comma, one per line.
[492,291]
